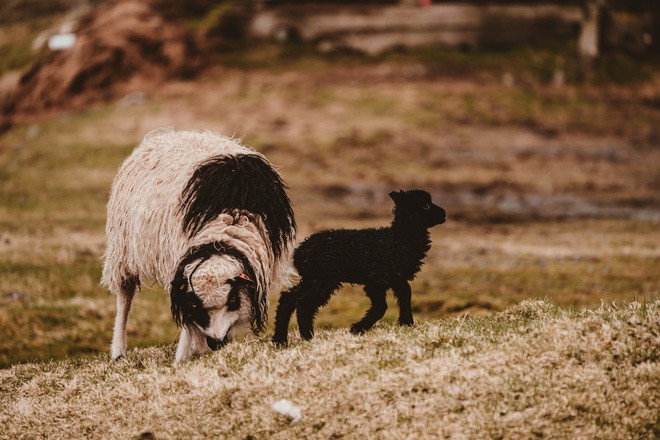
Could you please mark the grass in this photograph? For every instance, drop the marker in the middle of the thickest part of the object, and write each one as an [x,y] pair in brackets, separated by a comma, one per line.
[551,194]
[543,201]
[510,166]
[529,64]
[16,51]
[534,370]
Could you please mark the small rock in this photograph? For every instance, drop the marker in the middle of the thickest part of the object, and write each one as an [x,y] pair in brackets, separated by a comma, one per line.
[288,409]
[508,79]
[62,41]
[14,295]
[32,132]
[132,99]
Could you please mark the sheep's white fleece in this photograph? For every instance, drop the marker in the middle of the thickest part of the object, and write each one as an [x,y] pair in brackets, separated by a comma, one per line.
[144,229]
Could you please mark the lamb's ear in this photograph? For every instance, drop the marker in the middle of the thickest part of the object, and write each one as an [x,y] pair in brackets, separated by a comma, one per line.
[396,196]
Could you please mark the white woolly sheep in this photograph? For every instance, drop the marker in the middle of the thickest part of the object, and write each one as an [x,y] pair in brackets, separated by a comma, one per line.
[210,221]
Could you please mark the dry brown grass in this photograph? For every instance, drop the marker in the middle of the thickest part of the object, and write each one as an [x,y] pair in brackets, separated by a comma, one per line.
[551,193]
[531,371]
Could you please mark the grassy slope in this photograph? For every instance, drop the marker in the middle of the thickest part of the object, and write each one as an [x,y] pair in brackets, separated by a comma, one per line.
[342,143]
[532,370]
[507,163]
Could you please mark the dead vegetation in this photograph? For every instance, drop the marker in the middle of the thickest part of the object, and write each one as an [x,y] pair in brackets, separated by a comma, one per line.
[571,217]
[531,371]
[121,47]
[551,190]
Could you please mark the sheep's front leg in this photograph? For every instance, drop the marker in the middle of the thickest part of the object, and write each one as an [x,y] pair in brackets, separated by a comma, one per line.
[124,300]
[403,295]
[191,342]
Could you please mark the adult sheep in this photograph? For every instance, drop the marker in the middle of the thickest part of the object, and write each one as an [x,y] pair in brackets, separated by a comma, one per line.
[210,220]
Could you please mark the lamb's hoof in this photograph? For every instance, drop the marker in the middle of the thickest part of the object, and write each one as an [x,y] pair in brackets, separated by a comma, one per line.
[406,323]
[357,329]
[307,336]
[280,343]
[117,358]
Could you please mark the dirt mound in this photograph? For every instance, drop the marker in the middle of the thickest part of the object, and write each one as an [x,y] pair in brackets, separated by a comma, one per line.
[121,47]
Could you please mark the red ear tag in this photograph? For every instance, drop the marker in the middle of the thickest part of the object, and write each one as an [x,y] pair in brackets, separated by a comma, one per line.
[245,278]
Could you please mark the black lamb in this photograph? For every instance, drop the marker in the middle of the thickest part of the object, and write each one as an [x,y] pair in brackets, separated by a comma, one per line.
[379,259]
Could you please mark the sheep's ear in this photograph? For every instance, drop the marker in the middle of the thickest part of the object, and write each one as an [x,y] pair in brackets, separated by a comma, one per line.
[234,298]
[396,196]
[241,281]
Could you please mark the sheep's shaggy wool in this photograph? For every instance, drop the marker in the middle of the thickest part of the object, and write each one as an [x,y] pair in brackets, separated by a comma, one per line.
[379,259]
[198,213]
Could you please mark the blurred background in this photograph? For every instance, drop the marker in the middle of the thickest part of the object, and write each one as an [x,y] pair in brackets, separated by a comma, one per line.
[536,124]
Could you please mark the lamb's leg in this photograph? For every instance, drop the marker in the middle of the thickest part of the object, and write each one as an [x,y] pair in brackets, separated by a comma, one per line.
[376,293]
[403,295]
[311,299]
[285,307]
[124,299]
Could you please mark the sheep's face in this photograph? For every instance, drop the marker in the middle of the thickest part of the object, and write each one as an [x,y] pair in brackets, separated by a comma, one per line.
[416,205]
[216,300]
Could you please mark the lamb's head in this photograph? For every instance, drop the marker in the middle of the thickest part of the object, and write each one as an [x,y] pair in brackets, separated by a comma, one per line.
[216,296]
[415,206]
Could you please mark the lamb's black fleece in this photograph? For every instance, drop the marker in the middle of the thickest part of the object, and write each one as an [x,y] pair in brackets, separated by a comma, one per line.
[379,259]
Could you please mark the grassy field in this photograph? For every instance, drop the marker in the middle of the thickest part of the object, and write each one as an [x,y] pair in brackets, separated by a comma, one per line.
[534,370]
[551,191]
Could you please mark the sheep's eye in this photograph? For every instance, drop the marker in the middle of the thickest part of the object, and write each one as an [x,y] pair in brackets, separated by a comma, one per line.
[427,206]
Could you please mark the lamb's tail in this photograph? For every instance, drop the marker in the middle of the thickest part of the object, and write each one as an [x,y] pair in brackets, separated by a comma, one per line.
[285,307]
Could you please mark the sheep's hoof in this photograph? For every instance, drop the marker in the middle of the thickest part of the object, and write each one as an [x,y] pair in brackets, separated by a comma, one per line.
[406,323]
[307,336]
[357,329]
[117,358]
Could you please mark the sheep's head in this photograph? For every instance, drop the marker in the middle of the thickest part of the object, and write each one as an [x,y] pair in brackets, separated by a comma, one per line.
[214,294]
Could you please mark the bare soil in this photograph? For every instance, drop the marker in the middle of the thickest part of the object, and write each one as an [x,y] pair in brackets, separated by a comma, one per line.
[120,47]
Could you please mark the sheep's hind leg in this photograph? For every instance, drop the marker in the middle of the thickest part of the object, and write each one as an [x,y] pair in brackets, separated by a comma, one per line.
[311,299]
[285,308]
[124,300]
[403,296]
[376,293]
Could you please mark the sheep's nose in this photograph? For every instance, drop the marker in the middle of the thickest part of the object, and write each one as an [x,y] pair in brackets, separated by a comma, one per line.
[215,344]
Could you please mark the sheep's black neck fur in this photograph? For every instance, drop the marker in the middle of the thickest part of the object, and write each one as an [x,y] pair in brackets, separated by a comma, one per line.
[245,183]
[187,307]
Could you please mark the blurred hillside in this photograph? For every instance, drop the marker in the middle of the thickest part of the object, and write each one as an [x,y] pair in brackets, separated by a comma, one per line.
[117,47]
[546,164]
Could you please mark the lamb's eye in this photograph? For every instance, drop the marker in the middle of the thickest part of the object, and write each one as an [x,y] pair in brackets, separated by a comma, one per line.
[427,206]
